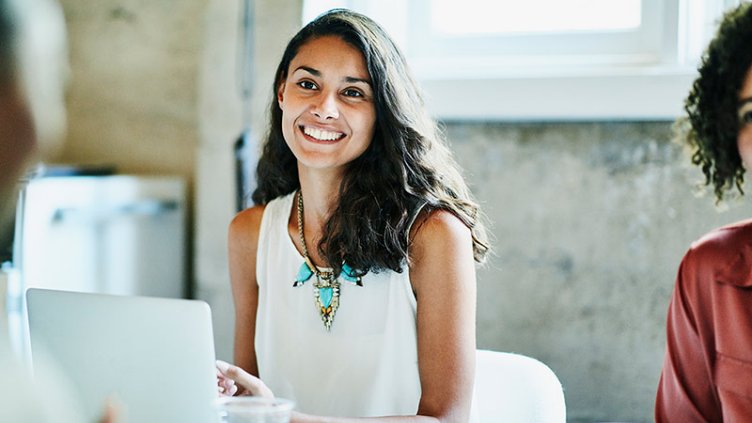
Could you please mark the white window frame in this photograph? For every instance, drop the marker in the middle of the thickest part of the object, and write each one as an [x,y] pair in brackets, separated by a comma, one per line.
[648,84]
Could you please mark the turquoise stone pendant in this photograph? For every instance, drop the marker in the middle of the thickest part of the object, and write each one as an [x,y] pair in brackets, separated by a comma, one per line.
[304,273]
[348,275]
[326,291]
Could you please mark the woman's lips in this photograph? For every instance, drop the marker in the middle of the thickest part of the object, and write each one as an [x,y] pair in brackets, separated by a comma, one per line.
[322,135]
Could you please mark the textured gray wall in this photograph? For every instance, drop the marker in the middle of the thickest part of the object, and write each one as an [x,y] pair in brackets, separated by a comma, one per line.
[590,222]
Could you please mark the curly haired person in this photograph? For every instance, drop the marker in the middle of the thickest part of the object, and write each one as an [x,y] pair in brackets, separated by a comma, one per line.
[707,372]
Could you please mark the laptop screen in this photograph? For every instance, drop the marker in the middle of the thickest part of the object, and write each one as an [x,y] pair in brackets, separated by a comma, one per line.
[154,355]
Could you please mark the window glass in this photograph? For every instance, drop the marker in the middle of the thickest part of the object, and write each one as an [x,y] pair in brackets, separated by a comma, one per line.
[472,17]
[591,59]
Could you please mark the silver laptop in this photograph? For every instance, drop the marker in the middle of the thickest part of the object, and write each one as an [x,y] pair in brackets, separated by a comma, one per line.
[155,355]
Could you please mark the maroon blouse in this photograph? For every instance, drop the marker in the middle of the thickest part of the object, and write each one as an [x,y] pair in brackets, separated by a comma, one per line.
[707,372]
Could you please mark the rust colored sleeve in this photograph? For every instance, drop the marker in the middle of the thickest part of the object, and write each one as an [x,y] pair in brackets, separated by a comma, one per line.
[686,392]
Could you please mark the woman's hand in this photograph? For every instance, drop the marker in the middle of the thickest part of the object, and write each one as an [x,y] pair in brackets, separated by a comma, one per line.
[232,380]
[225,386]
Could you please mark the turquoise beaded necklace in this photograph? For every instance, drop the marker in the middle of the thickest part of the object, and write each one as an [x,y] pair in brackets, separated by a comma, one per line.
[326,287]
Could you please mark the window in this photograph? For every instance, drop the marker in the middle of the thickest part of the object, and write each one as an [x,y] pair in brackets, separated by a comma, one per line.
[450,17]
[548,59]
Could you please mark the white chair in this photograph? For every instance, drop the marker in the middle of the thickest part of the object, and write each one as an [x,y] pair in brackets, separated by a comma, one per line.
[514,388]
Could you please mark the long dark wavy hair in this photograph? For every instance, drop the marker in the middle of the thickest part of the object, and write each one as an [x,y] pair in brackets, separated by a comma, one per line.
[407,167]
[711,126]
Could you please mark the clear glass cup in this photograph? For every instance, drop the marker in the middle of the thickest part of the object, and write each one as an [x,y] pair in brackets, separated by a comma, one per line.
[254,410]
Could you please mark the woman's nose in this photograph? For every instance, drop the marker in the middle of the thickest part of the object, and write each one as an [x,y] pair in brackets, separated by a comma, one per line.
[325,107]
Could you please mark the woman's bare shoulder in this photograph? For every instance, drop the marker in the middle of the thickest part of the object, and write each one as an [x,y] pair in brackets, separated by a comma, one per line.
[245,226]
[439,240]
[436,227]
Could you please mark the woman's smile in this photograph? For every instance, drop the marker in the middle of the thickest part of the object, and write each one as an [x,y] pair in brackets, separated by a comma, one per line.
[321,135]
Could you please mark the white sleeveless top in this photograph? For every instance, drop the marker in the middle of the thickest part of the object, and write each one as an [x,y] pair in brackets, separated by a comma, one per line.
[366,365]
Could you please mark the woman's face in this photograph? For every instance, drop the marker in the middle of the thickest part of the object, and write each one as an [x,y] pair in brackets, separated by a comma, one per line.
[744,139]
[328,113]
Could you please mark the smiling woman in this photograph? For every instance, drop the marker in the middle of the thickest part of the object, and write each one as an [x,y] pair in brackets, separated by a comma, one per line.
[353,276]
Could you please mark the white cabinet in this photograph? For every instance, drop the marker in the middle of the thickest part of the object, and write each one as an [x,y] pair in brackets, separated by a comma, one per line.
[111,234]
[122,235]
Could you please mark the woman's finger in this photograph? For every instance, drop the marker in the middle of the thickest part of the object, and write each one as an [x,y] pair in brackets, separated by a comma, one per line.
[246,380]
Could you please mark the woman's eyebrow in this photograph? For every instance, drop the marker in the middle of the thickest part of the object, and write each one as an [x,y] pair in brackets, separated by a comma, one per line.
[348,79]
[352,80]
[310,70]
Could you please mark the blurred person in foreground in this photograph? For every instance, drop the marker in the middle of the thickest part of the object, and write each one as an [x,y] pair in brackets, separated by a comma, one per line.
[707,372]
[33,67]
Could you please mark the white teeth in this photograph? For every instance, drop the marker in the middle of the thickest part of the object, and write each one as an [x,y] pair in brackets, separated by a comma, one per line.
[322,135]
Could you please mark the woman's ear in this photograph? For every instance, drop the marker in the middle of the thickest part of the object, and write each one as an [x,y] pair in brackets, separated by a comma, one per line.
[280,94]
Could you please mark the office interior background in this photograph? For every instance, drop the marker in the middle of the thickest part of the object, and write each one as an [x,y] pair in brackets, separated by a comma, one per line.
[562,126]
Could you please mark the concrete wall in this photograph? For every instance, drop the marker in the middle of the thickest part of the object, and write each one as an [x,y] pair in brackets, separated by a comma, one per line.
[590,219]
[132,94]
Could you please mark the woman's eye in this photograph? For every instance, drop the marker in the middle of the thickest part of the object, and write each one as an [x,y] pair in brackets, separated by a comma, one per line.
[746,117]
[352,93]
[308,85]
